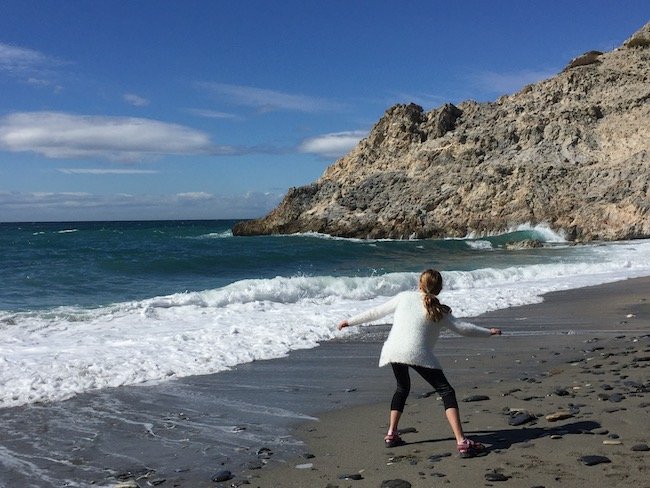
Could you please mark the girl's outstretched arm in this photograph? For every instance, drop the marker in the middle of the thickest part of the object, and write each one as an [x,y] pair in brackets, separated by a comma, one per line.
[469,329]
[372,314]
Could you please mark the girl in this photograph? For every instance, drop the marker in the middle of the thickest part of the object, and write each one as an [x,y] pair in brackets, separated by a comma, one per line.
[418,320]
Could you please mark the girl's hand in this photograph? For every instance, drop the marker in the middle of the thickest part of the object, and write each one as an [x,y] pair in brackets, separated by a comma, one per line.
[495,331]
[343,325]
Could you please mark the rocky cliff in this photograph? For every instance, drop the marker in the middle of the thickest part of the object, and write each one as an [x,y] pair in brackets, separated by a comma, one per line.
[572,152]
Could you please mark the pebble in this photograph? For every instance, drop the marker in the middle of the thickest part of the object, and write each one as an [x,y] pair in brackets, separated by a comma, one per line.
[616,397]
[476,398]
[395,484]
[224,475]
[640,447]
[554,417]
[612,442]
[305,466]
[520,418]
[494,476]
[593,460]
[354,477]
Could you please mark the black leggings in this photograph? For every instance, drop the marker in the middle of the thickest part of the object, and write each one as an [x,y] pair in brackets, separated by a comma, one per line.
[435,377]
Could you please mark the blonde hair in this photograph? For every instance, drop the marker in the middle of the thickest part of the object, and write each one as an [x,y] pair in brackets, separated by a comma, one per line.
[430,286]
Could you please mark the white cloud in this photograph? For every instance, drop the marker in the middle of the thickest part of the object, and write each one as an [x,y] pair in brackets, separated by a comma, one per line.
[135,100]
[63,135]
[30,66]
[269,100]
[425,100]
[210,114]
[197,195]
[101,171]
[14,58]
[16,207]
[332,145]
[510,82]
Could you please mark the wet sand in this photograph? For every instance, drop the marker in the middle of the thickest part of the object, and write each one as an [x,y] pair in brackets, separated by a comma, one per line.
[325,410]
[583,388]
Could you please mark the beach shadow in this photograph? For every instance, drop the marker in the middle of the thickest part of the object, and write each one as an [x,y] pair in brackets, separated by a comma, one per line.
[506,438]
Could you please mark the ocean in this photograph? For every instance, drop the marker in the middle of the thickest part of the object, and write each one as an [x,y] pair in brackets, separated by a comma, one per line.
[91,305]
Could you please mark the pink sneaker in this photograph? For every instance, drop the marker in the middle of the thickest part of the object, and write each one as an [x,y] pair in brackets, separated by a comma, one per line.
[393,439]
[469,448]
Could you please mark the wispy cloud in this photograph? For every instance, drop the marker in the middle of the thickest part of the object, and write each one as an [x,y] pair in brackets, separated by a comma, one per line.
[86,206]
[64,135]
[135,100]
[265,100]
[107,171]
[510,82]
[210,114]
[195,195]
[30,66]
[13,58]
[425,100]
[332,145]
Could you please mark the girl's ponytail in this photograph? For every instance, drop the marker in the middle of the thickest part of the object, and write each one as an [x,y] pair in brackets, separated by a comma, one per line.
[430,285]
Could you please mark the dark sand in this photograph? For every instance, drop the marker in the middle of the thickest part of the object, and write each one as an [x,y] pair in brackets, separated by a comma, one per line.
[592,367]
[183,432]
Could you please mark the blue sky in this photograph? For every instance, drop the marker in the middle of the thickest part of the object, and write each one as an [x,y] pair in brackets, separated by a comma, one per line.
[213,109]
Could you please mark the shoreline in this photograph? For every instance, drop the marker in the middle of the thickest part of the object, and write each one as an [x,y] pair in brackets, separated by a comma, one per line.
[183,432]
[565,373]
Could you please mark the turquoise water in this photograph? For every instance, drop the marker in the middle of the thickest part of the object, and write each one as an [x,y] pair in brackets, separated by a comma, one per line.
[96,263]
[85,306]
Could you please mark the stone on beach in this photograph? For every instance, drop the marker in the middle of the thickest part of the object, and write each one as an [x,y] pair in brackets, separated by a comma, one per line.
[554,417]
[354,477]
[395,484]
[496,476]
[476,398]
[640,448]
[520,417]
[223,475]
[593,460]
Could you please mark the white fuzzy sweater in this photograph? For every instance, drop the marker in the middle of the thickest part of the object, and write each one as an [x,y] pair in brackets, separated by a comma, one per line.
[413,336]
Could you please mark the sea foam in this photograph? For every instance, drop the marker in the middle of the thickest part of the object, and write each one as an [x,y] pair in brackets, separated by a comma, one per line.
[53,354]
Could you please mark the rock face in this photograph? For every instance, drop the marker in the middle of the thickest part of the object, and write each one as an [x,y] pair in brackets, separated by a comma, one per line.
[572,152]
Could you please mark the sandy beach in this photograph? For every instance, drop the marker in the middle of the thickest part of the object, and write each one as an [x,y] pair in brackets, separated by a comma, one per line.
[552,405]
[318,416]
